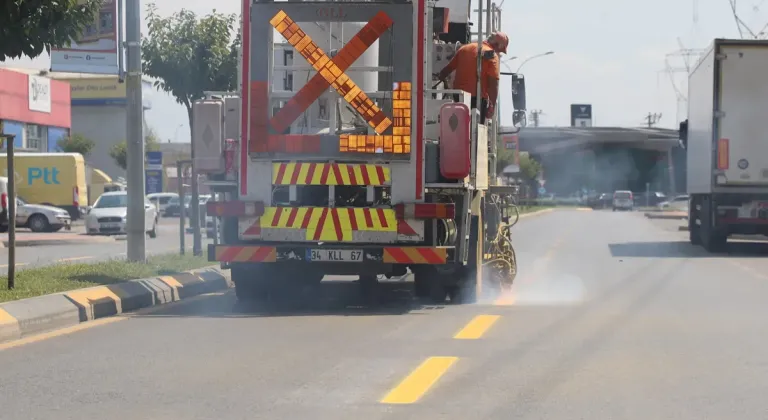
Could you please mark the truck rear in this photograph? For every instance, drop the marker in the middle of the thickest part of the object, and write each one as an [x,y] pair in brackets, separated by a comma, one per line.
[321,174]
[725,138]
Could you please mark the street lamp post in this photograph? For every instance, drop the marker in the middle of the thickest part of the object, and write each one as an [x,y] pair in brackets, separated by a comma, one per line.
[531,58]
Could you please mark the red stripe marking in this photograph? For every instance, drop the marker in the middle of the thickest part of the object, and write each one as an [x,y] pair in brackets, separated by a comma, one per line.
[292,216]
[337,224]
[404,228]
[419,120]
[254,229]
[337,172]
[280,174]
[364,171]
[245,16]
[352,218]
[380,173]
[307,218]
[398,255]
[382,218]
[368,218]
[310,173]
[320,223]
[229,253]
[324,175]
[276,217]
[295,175]
[430,255]
[351,172]
[261,253]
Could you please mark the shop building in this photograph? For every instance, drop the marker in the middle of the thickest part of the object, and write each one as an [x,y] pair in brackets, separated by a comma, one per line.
[34,108]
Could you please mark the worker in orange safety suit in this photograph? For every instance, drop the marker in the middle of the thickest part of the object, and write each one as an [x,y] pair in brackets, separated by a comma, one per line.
[464,64]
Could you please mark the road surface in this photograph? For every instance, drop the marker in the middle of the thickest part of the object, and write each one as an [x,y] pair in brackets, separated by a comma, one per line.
[614,317]
[91,250]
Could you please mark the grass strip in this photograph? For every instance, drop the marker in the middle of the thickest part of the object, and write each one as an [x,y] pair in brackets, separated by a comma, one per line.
[61,277]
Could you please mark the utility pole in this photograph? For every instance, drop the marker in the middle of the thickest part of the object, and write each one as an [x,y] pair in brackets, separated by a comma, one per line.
[652,119]
[137,235]
[535,114]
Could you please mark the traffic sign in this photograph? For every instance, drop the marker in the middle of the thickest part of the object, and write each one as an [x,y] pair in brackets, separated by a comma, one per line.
[542,190]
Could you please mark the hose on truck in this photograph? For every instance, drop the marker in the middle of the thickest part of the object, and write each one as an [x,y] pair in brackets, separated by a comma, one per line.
[502,264]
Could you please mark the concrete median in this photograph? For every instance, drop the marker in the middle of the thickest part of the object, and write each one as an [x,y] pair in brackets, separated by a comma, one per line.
[27,317]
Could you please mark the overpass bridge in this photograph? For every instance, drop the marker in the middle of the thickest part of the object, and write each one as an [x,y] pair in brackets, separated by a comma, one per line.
[606,158]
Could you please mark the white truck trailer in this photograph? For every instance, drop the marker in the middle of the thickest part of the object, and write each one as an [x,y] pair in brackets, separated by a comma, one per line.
[727,143]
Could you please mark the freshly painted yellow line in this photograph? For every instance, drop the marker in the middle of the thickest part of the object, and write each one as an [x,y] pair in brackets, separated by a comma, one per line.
[59,333]
[419,381]
[476,327]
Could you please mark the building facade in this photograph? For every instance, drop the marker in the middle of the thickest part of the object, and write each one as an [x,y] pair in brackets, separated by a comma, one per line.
[34,108]
[99,113]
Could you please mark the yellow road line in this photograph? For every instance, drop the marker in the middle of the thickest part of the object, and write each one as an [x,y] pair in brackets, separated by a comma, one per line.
[476,327]
[58,333]
[419,381]
[102,321]
[17,265]
[75,258]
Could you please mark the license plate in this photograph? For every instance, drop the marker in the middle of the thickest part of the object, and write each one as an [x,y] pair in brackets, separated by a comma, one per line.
[335,255]
[110,225]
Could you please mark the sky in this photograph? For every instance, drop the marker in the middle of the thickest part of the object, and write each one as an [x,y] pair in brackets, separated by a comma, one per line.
[608,53]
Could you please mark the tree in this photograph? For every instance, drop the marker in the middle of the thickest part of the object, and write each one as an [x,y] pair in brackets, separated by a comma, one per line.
[76,143]
[189,56]
[119,152]
[529,167]
[29,27]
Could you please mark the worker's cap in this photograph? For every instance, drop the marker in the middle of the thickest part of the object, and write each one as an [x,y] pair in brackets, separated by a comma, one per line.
[500,40]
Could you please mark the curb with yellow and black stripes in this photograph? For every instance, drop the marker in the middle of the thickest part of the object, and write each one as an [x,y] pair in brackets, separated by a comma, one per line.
[26,317]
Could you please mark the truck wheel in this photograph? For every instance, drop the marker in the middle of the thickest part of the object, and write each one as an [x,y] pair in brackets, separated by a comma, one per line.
[694,233]
[466,291]
[369,288]
[249,286]
[713,239]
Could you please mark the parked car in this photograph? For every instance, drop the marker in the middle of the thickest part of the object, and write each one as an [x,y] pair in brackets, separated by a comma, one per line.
[678,203]
[162,200]
[40,218]
[643,199]
[623,200]
[108,215]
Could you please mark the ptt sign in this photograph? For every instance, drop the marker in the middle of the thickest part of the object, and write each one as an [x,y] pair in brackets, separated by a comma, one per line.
[48,176]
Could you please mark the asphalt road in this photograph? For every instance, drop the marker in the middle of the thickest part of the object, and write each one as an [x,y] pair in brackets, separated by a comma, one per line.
[613,317]
[90,249]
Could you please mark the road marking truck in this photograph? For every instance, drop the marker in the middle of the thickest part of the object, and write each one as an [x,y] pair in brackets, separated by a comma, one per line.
[340,155]
[726,148]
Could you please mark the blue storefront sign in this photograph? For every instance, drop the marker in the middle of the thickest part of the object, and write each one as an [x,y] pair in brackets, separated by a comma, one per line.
[153,172]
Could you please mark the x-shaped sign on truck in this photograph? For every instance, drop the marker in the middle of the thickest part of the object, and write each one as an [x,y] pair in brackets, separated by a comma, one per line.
[330,72]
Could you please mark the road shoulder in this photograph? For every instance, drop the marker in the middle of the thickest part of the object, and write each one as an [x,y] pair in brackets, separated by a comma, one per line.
[23,318]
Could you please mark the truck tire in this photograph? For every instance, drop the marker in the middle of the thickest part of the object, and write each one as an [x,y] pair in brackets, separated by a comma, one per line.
[694,233]
[466,292]
[713,239]
[249,286]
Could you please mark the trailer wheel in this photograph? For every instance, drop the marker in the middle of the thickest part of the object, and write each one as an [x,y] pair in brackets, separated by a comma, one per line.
[712,238]
[694,233]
